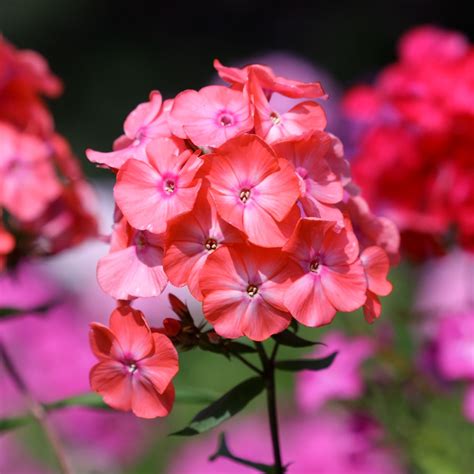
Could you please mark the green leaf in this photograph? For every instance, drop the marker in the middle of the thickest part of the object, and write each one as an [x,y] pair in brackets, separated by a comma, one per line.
[224,452]
[240,348]
[224,408]
[306,364]
[288,338]
[7,424]
[86,400]
[8,312]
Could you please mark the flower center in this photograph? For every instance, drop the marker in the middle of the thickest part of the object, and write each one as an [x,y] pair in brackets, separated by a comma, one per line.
[252,290]
[140,241]
[314,265]
[132,367]
[169,186]
[226,120]
[244,195]
[275,118]
[211,245]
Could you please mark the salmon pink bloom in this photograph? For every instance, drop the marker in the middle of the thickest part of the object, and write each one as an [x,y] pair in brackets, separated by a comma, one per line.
[377,266]
[28,182]
[149,194]
[269,81]
[243,288]
[254,190]
[135,366]
[330,277]
[269,124]
[134,266]
[191,238]
[321,188]
[146,122]
[211,116]
[373,230]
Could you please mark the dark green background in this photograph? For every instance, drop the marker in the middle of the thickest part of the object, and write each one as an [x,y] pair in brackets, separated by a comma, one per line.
[111,53]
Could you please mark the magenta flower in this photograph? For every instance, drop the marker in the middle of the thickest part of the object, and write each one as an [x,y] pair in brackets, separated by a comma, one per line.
[328,444]
[343,380]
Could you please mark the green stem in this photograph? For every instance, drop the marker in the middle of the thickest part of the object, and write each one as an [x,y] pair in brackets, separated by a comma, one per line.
[269,378]
[247,363]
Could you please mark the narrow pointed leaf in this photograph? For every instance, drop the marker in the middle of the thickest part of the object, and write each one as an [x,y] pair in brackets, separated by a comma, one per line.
[288,338]
[240,348]
[10,312]
[86,400]
[224,408]
[7,424]
[306,364]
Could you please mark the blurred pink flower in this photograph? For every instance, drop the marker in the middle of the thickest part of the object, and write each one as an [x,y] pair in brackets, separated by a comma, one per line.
[446,284]
[456,346]
[51,353]
[342,380]
[332,443]
[455,353]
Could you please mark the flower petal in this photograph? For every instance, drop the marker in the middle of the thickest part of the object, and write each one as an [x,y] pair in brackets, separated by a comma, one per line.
[162,366]
[345,286]
[147,402]
[109,379]
[132,332]
[307,302]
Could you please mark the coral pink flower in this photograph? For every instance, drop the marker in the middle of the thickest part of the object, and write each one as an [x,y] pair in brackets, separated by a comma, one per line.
[377,266]
[28,181]
[146,122]
[343,380]
[330,278]
[134,266]
[269,81]
[254,190]
[191,238]
[135,366]
[149,194]
[321,187]
[243,288]
[211,116]
[373,230]
[269,124]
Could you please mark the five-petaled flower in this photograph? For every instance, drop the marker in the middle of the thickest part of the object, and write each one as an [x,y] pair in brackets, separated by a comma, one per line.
[136,366]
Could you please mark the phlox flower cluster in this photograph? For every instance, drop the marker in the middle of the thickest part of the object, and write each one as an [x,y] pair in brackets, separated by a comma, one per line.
[253,210]
[415,141]
[45,204]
